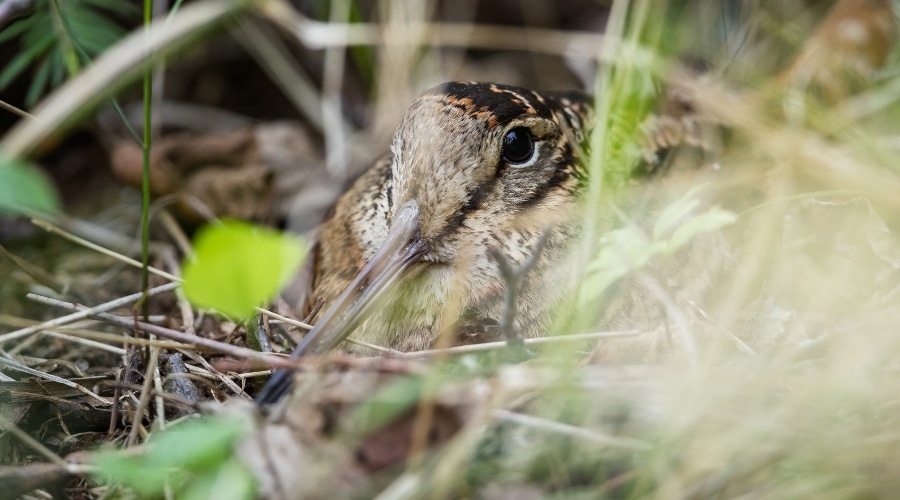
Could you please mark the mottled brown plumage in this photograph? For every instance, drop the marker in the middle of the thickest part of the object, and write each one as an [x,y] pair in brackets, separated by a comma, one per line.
[404,257]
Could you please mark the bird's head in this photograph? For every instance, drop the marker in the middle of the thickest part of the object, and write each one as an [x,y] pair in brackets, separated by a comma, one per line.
[470,162]
[473,156]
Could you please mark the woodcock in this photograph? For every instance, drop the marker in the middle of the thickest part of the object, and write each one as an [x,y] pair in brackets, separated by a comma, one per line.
[406,256]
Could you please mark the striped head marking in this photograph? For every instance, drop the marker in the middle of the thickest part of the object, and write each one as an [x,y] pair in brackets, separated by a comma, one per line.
[468,152]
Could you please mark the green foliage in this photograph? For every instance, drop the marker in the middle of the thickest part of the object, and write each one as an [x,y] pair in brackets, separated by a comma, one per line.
[629,248]
[61,33]
[636,96]
[388,403]
[23,187]
[237,266]
[193,458]
[627,95]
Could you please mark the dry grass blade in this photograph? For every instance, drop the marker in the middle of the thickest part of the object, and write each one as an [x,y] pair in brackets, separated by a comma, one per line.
[321,35]
[490,346]
[186,338]
[84,313]
[53,378]
[113,70]
[32,443]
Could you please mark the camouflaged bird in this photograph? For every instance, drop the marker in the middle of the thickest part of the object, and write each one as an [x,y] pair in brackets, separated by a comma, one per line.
[405,257]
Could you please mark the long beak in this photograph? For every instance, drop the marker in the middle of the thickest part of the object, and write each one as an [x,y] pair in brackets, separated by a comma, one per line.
[400,250]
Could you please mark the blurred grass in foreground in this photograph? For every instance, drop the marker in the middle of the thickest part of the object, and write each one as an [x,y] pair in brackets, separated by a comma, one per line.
[775,371]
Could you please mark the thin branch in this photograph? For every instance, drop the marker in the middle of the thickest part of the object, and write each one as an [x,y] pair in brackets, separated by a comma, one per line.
[488,346]
[47,226]
[14,110]
[32,443]
[513,278]
[83,312]
[53,378]
[199,342]
[320,35]
[570,430]
[144,400]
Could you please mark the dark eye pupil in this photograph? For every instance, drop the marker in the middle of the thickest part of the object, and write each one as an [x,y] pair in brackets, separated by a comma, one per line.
[518,146]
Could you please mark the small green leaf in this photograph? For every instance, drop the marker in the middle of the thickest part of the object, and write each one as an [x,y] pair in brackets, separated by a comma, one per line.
[15,29]
[707,222]
[24,59]
[624,250]
[390,401]
[674,214]
[132,472]
[237,266]
[24,187]
[196,444]
[183,455]
[41,78]
[230,481]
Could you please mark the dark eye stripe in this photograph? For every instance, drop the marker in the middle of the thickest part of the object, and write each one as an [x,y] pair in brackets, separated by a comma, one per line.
[564,172]
[476,199]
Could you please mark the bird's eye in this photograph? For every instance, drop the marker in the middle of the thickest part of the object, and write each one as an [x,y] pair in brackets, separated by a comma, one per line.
[518,147]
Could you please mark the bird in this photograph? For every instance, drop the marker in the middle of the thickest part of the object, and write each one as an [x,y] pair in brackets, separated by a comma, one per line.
[407,259]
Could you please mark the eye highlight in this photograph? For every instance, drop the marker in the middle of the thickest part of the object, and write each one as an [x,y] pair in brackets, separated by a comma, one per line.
[518,147]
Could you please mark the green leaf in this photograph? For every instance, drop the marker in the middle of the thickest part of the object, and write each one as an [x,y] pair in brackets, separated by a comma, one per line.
[14,29]
[24,187]
[674,214]
[23,60]
[185,454]
[196,444]
[41,78]
[237,266]
[712,220]
[390,401]
[231,481]
[621,251]
[624,250]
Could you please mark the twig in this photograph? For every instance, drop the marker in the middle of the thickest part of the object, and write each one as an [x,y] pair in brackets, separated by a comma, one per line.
[320,35]
[168,222]
[80,241]
[200,342]
[47,226]
[689,343]
[83,312]
[570,430]
[53,378]
[34,272]
[210,375]
[82,336]
[513,278]
[261,333]
[216,373]
[114,414]
[285,319]
[487,346]
[63,334]
[158,390]
[332,83]
[163,394]
[167,256]
[144,400]
[33,443]
[16,111]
